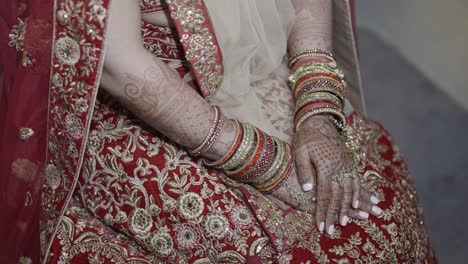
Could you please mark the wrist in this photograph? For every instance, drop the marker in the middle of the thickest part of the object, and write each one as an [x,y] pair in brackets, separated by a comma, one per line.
[225,140]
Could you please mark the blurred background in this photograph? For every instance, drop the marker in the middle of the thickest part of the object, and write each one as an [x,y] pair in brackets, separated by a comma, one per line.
[414,63]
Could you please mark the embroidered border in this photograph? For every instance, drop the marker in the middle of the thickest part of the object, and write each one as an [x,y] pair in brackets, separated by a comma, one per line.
[77,58]
[192,21]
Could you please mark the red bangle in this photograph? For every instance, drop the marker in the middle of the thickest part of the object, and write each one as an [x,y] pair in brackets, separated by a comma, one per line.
[314,105]
[311,107]
[312,76]
[231,151]
[264,161]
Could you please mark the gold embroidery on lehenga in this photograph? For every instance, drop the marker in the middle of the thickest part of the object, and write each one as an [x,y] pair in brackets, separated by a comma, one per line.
[167,217]
[80,234]
[202,50]
[161,43]
[176,223]
[79,30]
[149,6]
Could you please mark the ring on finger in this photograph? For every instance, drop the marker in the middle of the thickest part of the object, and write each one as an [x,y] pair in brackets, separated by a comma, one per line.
[343,177]
[301,198]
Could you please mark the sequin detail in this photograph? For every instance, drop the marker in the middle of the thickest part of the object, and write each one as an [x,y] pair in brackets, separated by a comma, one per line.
[187,236]
[67,51]
[26,133]
[161,243]
[199,42]
[216,226]
[140,222]
[190,206]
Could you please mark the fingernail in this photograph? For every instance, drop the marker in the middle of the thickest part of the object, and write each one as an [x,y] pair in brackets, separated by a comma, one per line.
[363,214]
[344,220]
[376,210]
[307,187]
[356,204]
[374,200]
[322,227]
[331,230]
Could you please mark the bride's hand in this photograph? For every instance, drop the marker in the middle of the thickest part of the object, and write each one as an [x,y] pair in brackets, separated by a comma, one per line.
[292,194]
[320,157]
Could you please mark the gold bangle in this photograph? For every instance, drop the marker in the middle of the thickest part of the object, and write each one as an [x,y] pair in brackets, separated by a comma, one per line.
[242,151]
[315,66]
[305,70]
[315,96]
[310,53]
[325,110]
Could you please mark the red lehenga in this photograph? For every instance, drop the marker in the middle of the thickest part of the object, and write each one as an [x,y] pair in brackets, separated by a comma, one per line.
[110,189]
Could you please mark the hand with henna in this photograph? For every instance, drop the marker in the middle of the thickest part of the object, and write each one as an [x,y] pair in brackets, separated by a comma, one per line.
[320,158]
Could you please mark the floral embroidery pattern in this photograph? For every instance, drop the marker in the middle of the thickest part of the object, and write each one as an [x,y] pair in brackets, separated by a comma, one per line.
[161,42]
[17,36]
[84,239]
[216,226]
[77,49]
[187,236]
[140,222]
[150,6]
[161,243]
[176,209]
[190,206]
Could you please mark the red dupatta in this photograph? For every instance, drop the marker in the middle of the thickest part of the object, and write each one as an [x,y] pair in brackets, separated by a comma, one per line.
[25,29]
[47,101]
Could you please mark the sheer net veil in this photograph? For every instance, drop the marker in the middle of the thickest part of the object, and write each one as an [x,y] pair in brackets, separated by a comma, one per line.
[253,38]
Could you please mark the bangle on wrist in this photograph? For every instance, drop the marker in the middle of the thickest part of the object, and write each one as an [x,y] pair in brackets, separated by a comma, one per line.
[232,150]
[212,136]
[310,53]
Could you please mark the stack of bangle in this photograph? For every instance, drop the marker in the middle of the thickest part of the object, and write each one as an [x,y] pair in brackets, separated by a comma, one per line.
[315,54]
[212,136]
[256,158]
[318,86]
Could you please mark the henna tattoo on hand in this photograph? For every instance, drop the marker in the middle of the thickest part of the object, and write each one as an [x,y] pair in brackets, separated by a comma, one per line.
[313,25]
[164,101]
